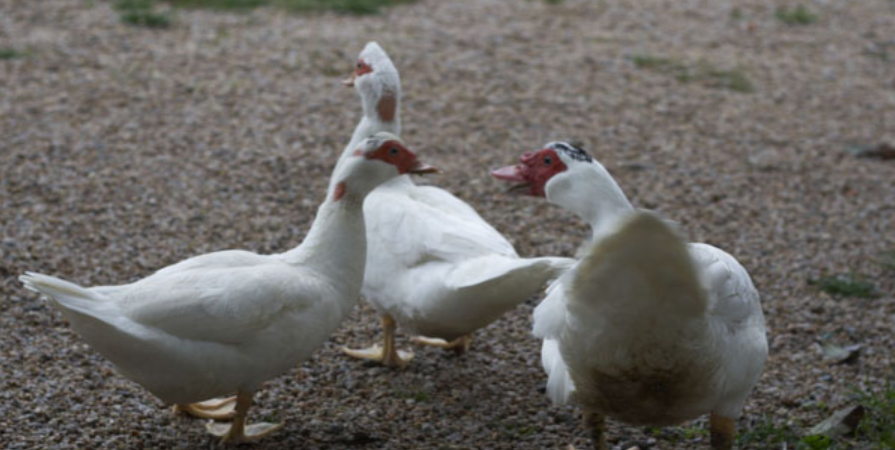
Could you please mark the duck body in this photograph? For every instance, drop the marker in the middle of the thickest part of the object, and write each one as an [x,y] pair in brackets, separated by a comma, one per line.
[646,328]
[207,326]
[653,331]
[227,321]
[455,275]
[434,266]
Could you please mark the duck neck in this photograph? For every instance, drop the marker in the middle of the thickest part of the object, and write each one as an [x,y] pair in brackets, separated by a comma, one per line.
[335,246]
[593,195]
[381,113]
[368,126]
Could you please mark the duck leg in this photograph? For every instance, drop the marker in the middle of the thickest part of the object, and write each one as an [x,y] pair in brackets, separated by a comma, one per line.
[217,409]
[722,432]
[387,354]
[459,346]
[238,431]
[596,425]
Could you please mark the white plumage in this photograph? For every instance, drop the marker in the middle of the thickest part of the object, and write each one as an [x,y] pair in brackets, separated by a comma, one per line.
[434,266]
[645,328]
[225,322]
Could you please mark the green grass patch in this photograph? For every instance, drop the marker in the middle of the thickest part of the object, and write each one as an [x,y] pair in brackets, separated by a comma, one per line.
[666,66]
[417,395]
[846,285]
[799,15]
[736,14]
[146,19]
[886,260]
[142,13]
[734,79]
[10,53]
[677,435]
[703,72]
[512,428]
[876,430]
[356,7]
[767,434]
[878,425]
[219,4]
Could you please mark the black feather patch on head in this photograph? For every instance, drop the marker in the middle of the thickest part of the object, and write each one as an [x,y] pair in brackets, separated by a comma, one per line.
[573,151]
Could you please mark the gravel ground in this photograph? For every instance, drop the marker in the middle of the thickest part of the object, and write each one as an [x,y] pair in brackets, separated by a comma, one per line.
[123,150]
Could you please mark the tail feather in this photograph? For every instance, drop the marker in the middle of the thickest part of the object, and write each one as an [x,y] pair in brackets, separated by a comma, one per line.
[550,315]
[495,268]
[559,383]
[65,294]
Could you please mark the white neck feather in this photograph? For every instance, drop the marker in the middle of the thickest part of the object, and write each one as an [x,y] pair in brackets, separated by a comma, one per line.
[589,191]
[370,124]
[336,245]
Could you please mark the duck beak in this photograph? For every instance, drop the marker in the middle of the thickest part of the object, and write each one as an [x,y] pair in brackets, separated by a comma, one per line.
[508,173]
[349,81]
[513,174]
[419,168]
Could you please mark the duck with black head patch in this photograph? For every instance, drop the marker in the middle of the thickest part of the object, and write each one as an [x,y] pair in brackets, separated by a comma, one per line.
[646,328]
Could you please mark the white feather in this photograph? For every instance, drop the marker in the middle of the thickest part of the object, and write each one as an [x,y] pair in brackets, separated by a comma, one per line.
[434,264]
[227,321]
[648,329]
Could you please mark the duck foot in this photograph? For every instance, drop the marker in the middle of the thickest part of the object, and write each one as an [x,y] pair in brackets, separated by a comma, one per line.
[217,409]
[395,358]
[229,432]
[596,425]
[238,431]
[722,432]
[459,346]
[387,354]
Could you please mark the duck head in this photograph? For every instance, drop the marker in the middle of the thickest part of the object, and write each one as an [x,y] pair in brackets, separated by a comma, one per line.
[378,83]
[569,177]
[377,159]
[538,170]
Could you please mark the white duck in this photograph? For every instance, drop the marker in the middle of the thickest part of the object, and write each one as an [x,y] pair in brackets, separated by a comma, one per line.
[646,328]
[434,265]
[226,321]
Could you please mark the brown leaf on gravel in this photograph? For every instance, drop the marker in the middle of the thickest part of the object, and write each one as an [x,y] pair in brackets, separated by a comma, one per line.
[840,423]
[791,402]
[835,354]
[882,151]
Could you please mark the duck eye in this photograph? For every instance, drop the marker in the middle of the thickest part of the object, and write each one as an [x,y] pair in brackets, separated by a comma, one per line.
[547,161]
[393,150]
[360,65]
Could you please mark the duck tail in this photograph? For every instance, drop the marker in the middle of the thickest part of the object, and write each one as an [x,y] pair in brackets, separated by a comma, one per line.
[64,294]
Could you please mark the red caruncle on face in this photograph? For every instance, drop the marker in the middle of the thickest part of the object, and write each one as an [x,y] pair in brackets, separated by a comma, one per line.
[362,68]
[395,154]
[538,167]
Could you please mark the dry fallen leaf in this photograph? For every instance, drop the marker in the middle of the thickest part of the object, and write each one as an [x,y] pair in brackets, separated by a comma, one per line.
[881,151]
[840,423]
[835,354]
